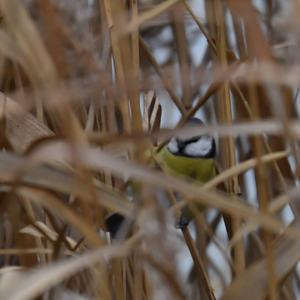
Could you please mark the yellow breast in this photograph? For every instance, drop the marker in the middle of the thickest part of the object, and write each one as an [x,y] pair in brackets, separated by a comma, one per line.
[201,170]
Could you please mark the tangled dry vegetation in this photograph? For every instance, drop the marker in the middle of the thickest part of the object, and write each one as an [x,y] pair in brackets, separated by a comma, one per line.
[87,91]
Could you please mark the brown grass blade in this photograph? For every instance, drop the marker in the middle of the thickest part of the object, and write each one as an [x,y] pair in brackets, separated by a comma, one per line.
[33,284]
[253,284]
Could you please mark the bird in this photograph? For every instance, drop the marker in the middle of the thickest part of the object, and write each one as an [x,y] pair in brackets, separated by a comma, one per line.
[192,158]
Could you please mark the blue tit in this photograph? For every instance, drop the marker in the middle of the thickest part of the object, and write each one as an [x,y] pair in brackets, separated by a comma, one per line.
[192,158]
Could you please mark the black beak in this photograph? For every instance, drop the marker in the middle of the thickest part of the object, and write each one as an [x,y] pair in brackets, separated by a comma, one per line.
[181,144]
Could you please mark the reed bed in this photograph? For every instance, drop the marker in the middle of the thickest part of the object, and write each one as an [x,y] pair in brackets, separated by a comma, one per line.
[91,91]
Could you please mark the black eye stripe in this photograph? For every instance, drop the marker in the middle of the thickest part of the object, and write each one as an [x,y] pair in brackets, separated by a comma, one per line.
[189,141]
[193,140]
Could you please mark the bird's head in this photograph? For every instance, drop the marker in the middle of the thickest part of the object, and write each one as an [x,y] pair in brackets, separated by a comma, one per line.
[200,146]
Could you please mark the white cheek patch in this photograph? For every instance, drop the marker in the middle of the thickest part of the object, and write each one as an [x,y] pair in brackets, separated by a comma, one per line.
[200,148]
[173,146]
